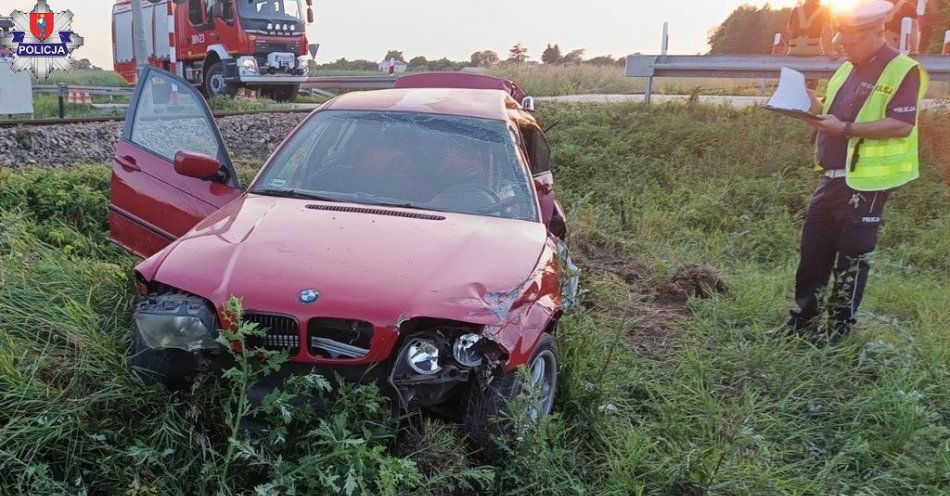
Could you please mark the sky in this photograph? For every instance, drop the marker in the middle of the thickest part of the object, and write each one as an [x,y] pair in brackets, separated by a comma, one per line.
[455,28]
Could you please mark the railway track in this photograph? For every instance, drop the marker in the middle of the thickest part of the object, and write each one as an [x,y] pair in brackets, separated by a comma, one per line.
[113,118]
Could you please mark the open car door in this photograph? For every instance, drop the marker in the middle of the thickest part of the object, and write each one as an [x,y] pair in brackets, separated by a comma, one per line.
[539,154]
[171,167]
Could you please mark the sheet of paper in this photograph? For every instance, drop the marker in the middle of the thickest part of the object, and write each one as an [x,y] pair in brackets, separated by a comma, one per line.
[791,93]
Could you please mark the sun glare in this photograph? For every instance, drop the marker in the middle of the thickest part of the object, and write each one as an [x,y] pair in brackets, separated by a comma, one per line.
[840,5]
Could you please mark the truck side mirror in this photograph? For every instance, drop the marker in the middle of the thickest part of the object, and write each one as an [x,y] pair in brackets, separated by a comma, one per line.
[309,3]
[309,15]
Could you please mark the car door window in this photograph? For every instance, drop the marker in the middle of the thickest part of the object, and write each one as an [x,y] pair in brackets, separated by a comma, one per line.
[539,152]
[170,117]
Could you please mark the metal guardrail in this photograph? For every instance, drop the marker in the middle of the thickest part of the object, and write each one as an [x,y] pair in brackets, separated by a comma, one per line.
[753,66]
[49,89]
[317,82]
[62,91]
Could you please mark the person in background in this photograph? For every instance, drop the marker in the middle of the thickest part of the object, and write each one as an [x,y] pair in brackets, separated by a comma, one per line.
[930,25]
[894,23]
[809,30]
[867,146]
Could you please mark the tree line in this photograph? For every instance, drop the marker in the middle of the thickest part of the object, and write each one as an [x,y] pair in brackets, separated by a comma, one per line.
[517,54]
[751,29]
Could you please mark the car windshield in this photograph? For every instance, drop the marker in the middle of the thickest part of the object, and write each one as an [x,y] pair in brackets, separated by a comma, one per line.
[406,159]
[270,9]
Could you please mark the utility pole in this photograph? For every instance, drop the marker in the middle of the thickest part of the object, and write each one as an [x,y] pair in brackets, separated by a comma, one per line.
[138,38]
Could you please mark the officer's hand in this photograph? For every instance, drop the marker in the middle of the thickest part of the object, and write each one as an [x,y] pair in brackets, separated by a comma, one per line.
[815,104]
[828,124]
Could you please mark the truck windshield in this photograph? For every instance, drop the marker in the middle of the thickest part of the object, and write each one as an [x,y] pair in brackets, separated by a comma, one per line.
[411,160]
[272,10]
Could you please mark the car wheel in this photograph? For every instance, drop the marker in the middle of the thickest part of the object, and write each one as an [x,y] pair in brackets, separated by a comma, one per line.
[171,368]
[215,84]
[486,406]
[282,93]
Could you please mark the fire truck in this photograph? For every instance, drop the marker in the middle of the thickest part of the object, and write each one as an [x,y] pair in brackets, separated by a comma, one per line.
[220,45]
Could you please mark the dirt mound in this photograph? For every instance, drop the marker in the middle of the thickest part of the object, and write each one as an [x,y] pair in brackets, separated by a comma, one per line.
[655,310]
[694,280]
[652,319]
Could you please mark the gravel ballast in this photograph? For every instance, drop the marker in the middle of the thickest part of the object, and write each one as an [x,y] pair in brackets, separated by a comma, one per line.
[57,146]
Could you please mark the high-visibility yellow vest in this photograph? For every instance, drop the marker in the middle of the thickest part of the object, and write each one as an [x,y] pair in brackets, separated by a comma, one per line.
[879,164]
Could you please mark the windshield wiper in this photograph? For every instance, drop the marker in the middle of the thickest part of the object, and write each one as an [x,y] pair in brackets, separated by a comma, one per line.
[380,201]
[294,193]
[393,204]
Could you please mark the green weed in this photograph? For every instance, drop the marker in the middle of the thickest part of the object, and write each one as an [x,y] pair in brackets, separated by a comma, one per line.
[709,406]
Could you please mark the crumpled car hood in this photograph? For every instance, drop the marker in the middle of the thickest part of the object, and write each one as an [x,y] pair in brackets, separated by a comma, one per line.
[374,267]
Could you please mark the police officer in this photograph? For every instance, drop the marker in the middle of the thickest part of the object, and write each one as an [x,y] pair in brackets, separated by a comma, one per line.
[866,147]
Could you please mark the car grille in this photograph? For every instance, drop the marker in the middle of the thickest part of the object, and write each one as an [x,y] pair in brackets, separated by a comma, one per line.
[283,333]
[375,211]
[339,338]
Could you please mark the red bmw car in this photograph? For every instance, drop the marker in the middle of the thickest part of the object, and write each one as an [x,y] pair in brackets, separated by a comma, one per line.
[409,236]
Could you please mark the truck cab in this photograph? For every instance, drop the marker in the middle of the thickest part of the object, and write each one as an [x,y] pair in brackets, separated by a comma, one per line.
[220,45]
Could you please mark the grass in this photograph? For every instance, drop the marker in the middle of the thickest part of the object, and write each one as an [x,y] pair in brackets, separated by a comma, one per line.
[548,80]
[711,408]
[554,80]
[86,77]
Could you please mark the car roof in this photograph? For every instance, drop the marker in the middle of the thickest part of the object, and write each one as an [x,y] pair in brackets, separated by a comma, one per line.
[485,104]
[460,80]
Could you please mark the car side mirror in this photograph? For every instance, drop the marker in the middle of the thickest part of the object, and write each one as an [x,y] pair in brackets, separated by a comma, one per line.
[309,15]
[528,103]
[198,165]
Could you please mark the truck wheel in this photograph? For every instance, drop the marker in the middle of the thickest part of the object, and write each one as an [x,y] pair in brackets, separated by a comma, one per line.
[171,368]
[486,415]
[282,93]
[215,84]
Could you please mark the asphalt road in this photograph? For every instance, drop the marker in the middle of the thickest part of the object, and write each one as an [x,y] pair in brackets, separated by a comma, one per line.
[734,101]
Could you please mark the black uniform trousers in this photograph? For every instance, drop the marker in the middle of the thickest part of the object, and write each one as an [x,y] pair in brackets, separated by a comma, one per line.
[840,232]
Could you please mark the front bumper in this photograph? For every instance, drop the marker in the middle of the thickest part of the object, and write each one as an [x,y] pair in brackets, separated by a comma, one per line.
[275,79]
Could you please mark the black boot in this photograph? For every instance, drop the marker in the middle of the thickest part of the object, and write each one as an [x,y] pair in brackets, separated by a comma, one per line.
[797,325]
[836,332]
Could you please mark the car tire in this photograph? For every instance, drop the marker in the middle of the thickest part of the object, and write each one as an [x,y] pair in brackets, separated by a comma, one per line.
[282,93]
[170,368]
[215,84]
[486,405]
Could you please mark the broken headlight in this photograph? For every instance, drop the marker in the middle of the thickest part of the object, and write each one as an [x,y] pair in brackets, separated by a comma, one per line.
[423,357]
[464,350]
[176,321]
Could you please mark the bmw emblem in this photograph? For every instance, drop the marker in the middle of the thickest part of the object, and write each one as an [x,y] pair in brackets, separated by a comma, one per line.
[309,296]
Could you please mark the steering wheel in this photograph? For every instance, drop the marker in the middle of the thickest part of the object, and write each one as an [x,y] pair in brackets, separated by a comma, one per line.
[500,207]
[472,195]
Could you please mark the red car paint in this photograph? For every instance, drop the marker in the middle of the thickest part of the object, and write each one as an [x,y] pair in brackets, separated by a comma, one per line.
[496,272]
